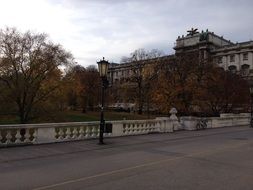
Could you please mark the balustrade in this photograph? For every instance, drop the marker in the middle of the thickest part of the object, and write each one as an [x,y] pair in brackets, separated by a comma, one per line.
[60,132]
[76,132]
[140,127]
[12,136]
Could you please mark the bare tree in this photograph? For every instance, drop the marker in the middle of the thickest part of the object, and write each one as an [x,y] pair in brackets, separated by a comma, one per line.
[142,66]
[28,62]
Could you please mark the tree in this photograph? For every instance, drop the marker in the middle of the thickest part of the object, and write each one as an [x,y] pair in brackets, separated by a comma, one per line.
[90,82]
[28,63]
[192,84]
[226,92]
[83,91]
[142,71]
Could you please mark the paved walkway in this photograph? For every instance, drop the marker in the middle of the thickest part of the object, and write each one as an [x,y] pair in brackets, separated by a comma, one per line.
[208,159]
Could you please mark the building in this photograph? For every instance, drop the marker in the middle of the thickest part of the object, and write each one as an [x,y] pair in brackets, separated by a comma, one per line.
[236,57]
[121,73]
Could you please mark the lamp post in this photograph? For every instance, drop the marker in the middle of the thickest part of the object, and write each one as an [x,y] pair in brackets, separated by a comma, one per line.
[251,106]
[103,69]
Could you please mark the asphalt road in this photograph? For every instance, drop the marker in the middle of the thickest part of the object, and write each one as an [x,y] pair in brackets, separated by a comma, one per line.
[215,159]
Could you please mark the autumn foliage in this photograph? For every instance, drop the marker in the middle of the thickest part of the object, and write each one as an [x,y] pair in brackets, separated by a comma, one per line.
[38,77]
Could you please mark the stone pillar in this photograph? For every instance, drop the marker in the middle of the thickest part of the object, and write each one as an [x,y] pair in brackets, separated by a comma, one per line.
[45,135]
[117,129]
[174,119]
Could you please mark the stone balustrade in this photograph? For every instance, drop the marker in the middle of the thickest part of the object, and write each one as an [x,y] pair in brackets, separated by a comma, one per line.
[226,120]
[60,132]
[12,135]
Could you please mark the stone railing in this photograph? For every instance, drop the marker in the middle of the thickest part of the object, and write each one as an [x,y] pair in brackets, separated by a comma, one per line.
[11,135]
[226,120]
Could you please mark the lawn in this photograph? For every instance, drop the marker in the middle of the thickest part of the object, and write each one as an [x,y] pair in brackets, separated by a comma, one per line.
[75,116]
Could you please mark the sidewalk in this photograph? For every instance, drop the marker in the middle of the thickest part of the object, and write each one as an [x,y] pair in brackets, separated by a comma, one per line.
[20,153]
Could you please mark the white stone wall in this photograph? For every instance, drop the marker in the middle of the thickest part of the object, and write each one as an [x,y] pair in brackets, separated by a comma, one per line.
[226,120]
[218,40]
[11,135]
[187,41]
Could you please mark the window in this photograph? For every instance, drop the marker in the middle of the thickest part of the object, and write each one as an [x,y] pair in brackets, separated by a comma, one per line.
[245,69]
[232,58]
[232,68]
[245,56]
[219,60]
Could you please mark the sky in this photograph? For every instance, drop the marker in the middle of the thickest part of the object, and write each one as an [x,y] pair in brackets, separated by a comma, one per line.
[92,29]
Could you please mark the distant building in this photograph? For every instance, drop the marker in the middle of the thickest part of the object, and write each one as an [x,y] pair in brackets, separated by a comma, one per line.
[235,57]
[120,73]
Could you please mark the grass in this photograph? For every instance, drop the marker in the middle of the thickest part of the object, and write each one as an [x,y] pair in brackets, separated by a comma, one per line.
[8,119]
[74,116]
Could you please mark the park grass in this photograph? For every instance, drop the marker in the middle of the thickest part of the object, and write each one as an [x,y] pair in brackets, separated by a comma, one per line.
[75,116]
[8,119]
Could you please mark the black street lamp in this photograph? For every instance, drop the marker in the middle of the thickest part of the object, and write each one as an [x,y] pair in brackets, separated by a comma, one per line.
[251,106]
[103,69]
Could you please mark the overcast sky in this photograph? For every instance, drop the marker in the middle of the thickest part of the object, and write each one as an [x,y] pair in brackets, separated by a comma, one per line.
[91,29]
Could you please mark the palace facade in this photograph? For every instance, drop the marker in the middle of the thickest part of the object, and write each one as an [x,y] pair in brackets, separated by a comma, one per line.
[235,57]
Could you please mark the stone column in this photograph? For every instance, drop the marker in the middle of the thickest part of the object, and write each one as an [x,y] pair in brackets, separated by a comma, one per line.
[174,119]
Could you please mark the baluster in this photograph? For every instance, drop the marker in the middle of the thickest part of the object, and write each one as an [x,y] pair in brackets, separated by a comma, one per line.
[68,133]
[27,136]
[93,131]
[124,128]
[150,127]
[18,136]
[87,132]
[8,137]
[131,126]
[75,133]
[61,134]
[97,130]
[142,128]
[157,126]
[135,127]
[127,129]
[34,136]
[153,126]
[81,133]
[147,127]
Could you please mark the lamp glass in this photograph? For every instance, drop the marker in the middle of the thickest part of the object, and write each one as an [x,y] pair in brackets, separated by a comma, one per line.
[103,68]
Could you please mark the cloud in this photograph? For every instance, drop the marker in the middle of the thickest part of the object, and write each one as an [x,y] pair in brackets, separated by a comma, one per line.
[92,29]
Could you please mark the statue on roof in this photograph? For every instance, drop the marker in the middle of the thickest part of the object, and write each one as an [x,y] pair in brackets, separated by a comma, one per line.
[204,35]
[192,32]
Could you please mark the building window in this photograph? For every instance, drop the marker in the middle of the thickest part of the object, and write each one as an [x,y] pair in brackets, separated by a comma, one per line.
[245,70]
[232,58]
[219,60]
[232,68]
[245,56]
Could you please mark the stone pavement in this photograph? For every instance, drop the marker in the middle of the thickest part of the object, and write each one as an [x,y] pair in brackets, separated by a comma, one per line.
[209,159]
